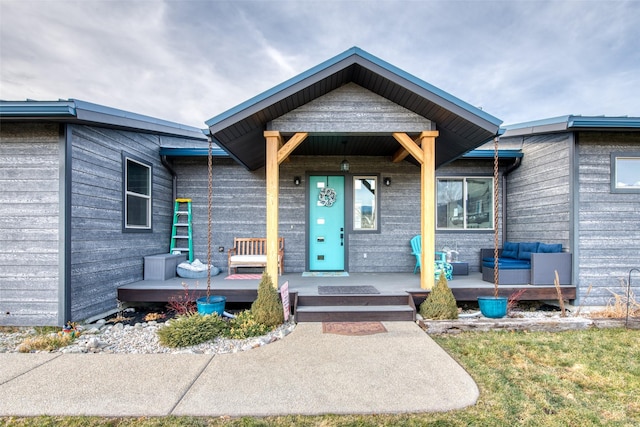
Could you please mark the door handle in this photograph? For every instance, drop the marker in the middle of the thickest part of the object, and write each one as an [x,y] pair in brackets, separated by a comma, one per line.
[341,239]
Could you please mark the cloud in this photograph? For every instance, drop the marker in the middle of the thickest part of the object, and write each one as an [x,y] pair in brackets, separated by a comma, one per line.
[188,61]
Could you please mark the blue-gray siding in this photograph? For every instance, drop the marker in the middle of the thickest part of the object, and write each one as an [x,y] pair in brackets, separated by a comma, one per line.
[30,215]
[609,223]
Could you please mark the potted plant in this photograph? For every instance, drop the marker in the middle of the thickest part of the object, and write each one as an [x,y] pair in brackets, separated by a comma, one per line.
[211,303]
[494,306]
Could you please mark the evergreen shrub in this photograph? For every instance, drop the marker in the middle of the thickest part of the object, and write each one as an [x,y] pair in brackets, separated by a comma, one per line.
[267,308]
[440,304]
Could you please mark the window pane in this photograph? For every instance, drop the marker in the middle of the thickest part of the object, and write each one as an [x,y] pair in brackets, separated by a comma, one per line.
[450,204]
[137,211]
[479,203]
[138,178]
[628,172]
[364,203]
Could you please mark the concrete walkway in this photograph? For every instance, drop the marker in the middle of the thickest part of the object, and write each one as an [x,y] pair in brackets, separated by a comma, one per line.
[308,372]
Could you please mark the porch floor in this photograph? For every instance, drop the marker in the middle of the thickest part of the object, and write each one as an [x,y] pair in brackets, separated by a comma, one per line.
[464,288]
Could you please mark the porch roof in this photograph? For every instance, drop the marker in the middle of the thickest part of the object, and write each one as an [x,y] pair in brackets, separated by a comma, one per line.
[462,127]
[573,123]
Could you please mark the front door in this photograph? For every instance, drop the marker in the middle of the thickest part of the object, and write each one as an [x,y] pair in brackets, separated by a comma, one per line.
[326,223]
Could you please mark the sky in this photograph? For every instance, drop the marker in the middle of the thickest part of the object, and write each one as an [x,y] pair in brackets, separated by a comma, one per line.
[189,60]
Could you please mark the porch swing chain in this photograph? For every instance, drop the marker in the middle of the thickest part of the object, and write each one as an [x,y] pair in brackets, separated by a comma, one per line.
[495,216]
[209,203]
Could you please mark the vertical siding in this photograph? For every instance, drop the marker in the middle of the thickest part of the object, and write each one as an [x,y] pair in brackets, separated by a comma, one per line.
[103,256]
[239,211]
[29,222]
[539,191]
[609,223]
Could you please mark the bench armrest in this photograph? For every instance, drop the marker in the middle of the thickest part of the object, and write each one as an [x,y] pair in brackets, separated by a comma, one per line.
[544,266]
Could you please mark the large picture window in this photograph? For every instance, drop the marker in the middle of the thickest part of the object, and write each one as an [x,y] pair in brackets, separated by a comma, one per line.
[625,174]
[137,194]
[365,203]
[465,203]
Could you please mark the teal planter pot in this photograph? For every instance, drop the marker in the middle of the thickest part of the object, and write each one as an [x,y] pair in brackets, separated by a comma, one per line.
[215,304]
[493,307]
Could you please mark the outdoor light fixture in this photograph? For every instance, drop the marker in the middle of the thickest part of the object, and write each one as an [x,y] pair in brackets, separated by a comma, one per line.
[344,166]
[296,180]
[387,181]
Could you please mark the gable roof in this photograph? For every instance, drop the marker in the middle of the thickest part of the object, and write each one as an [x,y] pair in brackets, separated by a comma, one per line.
[81,112]
[462,127]
[573,123]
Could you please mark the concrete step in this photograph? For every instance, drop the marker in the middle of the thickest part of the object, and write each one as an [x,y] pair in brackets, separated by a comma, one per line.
[354,299]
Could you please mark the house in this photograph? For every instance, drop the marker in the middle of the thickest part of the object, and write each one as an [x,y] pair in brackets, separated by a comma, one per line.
[336,160]
[85,194]
[579,185]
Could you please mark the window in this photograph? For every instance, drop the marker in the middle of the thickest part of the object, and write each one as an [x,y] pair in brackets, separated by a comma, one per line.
[465,203]
[137,194]
[625,176]
[365,210]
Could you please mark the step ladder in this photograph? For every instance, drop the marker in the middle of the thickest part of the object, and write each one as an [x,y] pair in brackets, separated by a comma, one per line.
[181,231]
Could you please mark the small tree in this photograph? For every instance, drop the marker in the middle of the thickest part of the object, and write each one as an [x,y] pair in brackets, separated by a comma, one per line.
[440,304]
[267,308]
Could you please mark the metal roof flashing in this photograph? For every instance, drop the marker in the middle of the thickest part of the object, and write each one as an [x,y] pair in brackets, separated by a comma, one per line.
[572,122]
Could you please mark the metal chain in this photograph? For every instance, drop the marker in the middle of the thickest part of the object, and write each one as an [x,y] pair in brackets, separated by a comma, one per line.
[209,200]
[495,217]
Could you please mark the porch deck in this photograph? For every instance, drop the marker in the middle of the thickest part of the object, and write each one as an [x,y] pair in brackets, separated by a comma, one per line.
[464,288]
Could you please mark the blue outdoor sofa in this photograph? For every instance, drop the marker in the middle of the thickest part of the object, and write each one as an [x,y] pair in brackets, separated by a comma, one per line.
[525,263]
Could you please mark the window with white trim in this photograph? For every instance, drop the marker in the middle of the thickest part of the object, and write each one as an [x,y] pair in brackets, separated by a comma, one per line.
[137,194]
[625,173]
[464,203]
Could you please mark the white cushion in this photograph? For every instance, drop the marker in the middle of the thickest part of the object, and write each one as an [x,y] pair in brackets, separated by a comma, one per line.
[249,258]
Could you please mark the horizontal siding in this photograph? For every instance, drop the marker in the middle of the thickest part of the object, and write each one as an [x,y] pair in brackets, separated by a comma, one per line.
[609,223]
[29,222]
[351,108]
[539,191]
[239,211]
[104,257]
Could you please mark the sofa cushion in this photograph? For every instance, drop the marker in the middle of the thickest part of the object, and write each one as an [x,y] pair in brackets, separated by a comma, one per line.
[526,248]
[553,248]
[510,250]
[507,264]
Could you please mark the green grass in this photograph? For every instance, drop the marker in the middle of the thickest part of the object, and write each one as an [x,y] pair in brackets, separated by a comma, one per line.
[583,378]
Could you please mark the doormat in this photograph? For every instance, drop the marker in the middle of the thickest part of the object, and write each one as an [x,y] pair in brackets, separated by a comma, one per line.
[340,290]
[244,277]
[325,274]
[353,328]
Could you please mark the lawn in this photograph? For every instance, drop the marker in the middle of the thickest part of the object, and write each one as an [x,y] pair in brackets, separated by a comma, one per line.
[582,378]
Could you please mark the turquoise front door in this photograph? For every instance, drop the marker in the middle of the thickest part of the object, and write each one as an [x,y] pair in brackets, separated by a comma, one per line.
[326,223]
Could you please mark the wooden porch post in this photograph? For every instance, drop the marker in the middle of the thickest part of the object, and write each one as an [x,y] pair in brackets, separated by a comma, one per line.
[274,140]
[428,210]
[424,151]
[276,154]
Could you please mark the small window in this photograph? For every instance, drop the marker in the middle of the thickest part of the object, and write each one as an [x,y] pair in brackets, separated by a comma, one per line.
[365,209]
[625,174]
[465,203]
[137,194]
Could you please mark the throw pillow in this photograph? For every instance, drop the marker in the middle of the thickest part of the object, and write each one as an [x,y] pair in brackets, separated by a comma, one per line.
[526,248]
[510,250]
[550,248]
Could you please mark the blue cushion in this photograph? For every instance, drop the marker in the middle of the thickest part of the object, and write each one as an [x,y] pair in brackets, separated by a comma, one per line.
[508,264]
[510,250]
[553,248]
[526,248]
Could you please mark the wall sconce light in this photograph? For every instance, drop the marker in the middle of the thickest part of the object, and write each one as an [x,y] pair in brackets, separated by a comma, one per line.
[344,166]
[387,181]
[296,180]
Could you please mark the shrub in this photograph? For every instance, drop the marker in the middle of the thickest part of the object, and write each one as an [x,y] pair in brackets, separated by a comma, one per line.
[440,304]
[192,330]
[267,308]
[246,326]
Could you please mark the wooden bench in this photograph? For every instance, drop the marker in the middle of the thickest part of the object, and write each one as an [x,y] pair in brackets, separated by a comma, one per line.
[252,252]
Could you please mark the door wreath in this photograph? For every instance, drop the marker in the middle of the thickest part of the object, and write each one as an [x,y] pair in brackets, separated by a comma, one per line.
[327,197]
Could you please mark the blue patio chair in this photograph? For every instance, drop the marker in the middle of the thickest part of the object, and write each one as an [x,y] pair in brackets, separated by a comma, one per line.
[441,264]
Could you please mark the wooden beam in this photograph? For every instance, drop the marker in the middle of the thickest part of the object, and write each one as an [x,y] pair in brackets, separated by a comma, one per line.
[408,144]
[402,152]
[274,140]
[428,208]
[285,151]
